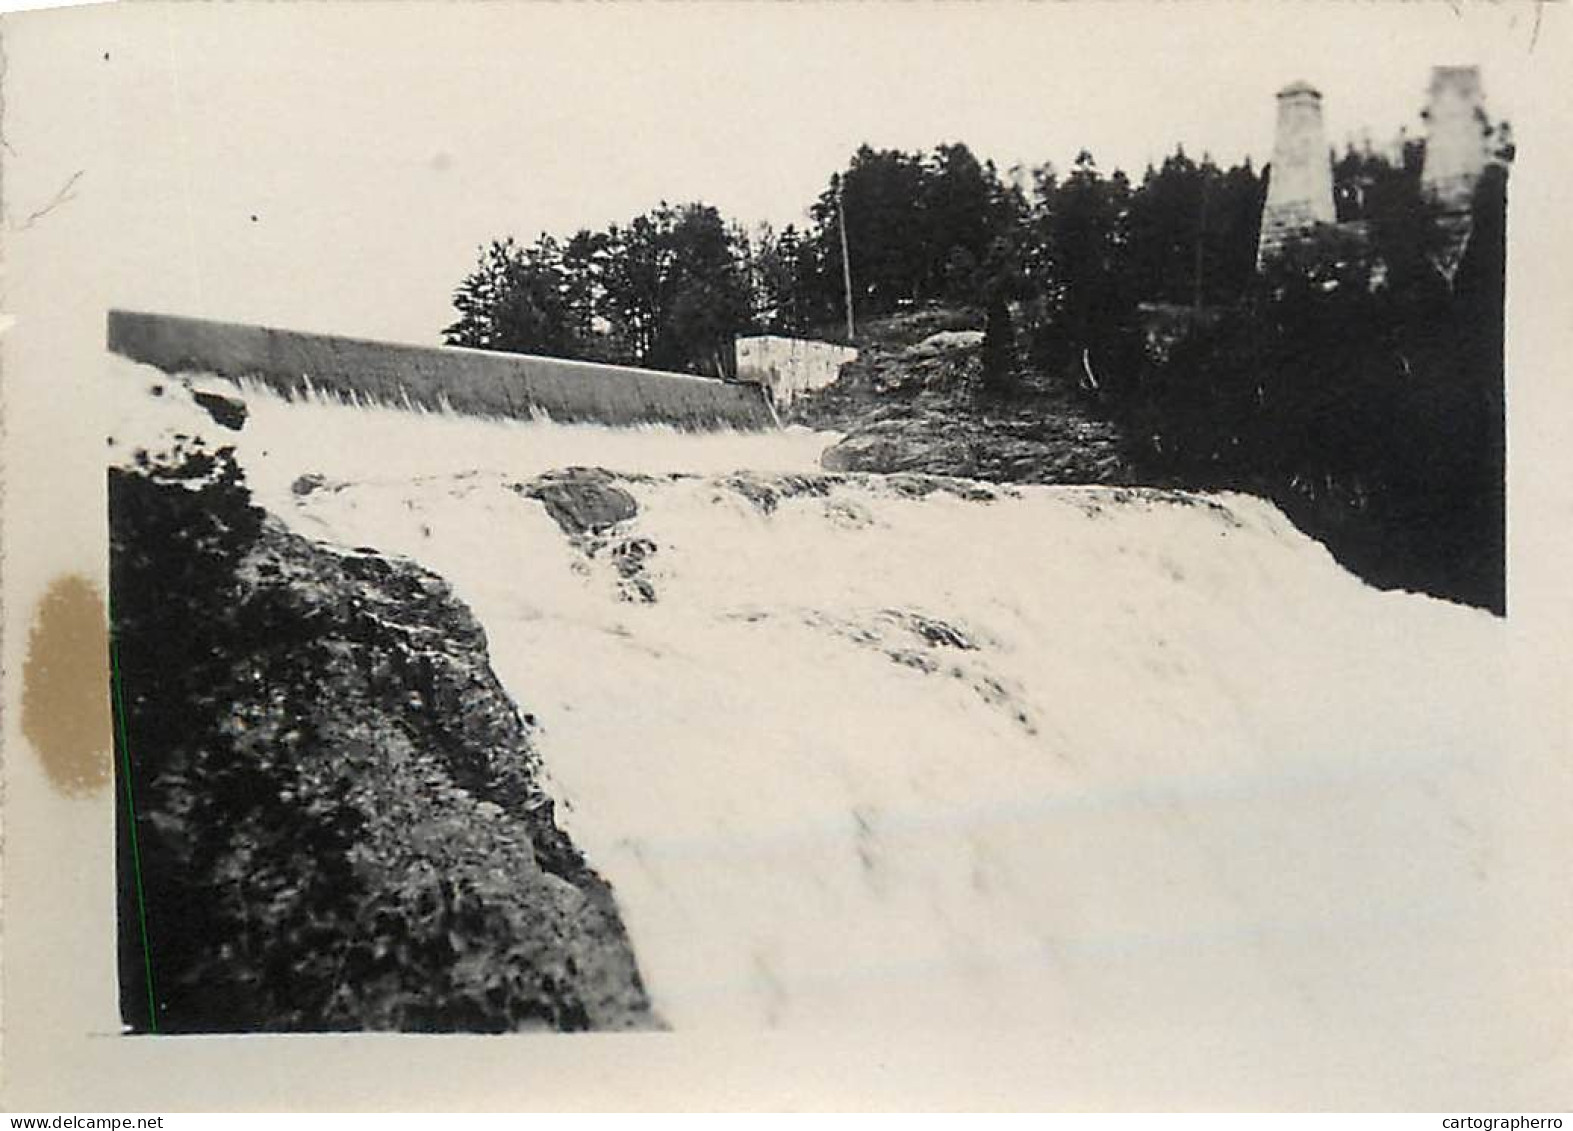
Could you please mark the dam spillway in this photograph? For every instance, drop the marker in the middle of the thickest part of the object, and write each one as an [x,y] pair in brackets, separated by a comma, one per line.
[469,382]
[857,753]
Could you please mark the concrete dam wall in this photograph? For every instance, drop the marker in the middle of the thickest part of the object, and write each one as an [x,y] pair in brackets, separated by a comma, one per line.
[473,382]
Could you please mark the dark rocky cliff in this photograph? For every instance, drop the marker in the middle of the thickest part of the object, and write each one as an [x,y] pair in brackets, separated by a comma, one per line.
[923,407]
[337,814]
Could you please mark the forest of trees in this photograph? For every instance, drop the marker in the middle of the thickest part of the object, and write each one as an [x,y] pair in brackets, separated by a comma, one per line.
[1362,390]
[669,290]
[1352,382]
[672,287]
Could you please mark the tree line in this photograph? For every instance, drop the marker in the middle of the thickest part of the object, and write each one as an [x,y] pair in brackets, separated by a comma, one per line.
[1357,380]
[1072,257]
[1359,383]
[672,287]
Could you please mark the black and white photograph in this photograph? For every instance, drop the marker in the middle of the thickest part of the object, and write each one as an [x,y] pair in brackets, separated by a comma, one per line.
[964,526]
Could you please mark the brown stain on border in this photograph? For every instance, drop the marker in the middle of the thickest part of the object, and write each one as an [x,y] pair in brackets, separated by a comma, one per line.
[65,687]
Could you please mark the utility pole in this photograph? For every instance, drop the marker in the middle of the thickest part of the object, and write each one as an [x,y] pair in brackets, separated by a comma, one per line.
[846,263]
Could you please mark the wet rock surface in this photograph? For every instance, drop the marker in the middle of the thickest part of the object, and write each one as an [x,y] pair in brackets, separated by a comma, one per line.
[304,485]
[582,500]
[766,492]
[338,816]
[1067,452]
[922,407]
[589,506]
[227,412]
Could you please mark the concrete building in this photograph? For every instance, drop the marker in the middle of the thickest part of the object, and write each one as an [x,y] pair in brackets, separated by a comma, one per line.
[1300,185]
[1458,137]
[786,368]
[1461,143]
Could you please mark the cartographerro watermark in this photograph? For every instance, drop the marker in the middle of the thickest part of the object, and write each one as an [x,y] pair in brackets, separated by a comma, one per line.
[1501,1122]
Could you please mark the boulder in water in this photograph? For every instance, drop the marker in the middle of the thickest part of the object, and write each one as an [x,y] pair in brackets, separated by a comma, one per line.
[582,500]
[227,412]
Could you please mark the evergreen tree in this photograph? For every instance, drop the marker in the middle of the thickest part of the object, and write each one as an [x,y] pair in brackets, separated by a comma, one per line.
[515,300]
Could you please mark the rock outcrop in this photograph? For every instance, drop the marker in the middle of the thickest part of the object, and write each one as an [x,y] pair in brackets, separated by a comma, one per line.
[582,500]
[1060,450]
[226,411]
[338,818]
[922,407]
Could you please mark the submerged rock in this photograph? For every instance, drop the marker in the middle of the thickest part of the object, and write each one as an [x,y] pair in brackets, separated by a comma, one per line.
[304,485]
[766,492]
[582,500]
[1061,451]
[338,819]
[227,412]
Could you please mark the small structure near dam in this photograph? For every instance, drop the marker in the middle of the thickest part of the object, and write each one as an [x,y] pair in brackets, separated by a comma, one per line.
[472,382]
[786,368]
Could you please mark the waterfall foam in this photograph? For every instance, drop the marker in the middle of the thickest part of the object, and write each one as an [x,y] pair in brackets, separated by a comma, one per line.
[876,751]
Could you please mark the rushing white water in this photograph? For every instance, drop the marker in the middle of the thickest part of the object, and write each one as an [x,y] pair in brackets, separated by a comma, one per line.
[1072,757]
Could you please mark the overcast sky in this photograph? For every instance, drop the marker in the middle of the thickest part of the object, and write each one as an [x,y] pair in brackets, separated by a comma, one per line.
[334,167]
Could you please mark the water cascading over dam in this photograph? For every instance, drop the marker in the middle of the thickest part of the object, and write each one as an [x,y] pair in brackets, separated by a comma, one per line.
[863,750]
[471,382]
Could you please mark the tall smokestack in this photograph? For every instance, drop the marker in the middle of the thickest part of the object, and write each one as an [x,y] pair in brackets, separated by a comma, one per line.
[1458,136]
[1300,185]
